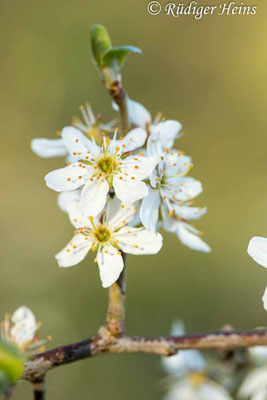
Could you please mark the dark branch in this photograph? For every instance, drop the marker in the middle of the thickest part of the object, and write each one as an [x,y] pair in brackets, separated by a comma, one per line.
[165,346]
[39,390]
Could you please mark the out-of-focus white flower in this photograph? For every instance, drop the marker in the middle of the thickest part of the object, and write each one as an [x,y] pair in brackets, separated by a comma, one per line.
[20,329]
[254,386]
[98,169]
[257,249]
[197,387]
[90,125]
[107,234]
[258,354]
[185,361]
[161,133]
[189,369]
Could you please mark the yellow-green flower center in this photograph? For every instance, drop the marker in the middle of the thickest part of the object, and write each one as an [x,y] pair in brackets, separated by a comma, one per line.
[107,164]
[102,234]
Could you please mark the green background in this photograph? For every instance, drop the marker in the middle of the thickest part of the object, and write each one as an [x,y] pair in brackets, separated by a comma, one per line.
[210,75]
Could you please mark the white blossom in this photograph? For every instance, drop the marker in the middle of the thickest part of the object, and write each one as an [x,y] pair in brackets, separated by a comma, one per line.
[90,125]
[108,235]
[184,361]
[98,169]
[196,387]
[20,329]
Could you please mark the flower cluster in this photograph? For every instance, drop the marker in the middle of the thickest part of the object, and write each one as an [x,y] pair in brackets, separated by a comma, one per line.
[190,375]
[254,386]
[119,191]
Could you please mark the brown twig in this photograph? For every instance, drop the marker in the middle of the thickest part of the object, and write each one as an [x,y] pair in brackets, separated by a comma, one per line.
[165,346]
[120,97]
[116,305]
[117,292]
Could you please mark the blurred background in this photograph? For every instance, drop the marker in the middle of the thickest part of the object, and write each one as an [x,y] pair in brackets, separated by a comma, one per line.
[209,74]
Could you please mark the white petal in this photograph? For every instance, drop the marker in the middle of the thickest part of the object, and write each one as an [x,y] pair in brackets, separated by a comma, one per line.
[162,136]
[176,163]
[178,328]
[74,252]
[261,395]
[65,198]
[22,335]
[187,188]
[259,353]
[149,211]
[76,217]
[257,249]
[167,132]
[24,327]
[110,265]
[138,114]
[69,178]
[138,241]
[169,224]
[123,215]
[136,221]
[23,315]
[139,167]
[264,299]
[211,390]
[94,197]
[183,390]
[78,144]
[49,147]
[129,191]
[190,239]
[254,382]
[189,213]
[133,140]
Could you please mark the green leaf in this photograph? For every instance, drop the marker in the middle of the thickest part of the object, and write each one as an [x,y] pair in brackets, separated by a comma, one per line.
[100,42]
[4,382]
[118,54]
[11,361]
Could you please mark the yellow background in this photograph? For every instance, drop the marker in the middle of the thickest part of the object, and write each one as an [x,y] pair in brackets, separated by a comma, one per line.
[210,75]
